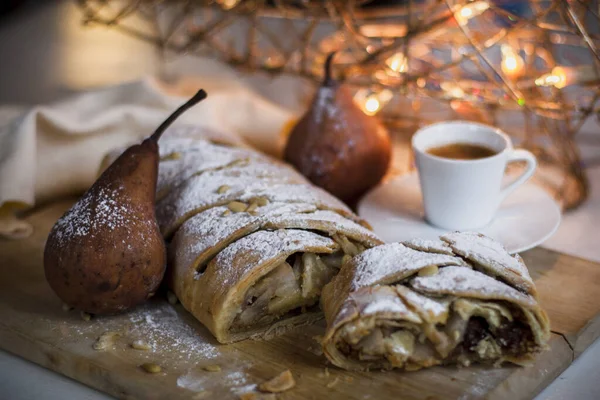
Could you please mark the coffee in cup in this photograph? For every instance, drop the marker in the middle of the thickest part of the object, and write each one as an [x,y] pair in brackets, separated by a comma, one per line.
[461,167]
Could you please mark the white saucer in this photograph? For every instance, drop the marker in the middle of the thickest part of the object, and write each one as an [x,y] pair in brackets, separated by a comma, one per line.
[525,219]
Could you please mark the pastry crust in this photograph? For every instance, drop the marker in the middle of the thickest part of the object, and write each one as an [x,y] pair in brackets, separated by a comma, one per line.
[251,242]
[217,294]
[396,307]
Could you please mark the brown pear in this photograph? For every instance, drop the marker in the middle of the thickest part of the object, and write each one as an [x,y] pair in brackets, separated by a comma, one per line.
[336,145]
[106,253]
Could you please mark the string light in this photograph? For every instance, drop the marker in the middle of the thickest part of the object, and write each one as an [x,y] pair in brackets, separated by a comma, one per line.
[561,77]
[512,63]
[397,63]
[453,90]
[556,78]
[471,10]
[228,4]
[372,103]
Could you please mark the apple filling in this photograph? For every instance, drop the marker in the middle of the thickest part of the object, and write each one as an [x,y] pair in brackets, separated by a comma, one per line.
[475,331]
[291,287]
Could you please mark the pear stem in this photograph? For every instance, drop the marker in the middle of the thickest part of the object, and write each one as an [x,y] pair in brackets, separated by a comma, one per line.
[199,96]
[328,80]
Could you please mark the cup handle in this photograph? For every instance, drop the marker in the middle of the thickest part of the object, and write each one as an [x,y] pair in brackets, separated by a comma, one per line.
[514,156]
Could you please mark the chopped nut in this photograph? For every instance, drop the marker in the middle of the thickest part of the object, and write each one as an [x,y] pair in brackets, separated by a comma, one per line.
[151,368]
[171,298]
[212,368]
[140,345]
[334,382]
[223,188]
[105,341]
[280,383]
[252,207]
[201,395]
[253,213]
[173,156]
[261,201]
[85,316]
[226,213]
[66,307]
[428,271]
[237,206]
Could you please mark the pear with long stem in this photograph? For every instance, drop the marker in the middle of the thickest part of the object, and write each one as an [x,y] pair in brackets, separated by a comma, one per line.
[336,145]
[106,253]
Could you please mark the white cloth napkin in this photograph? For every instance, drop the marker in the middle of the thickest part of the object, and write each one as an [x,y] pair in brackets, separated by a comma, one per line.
[55,150]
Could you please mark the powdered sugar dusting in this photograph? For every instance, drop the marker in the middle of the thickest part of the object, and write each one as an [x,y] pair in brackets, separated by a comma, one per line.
[208,232]
[326,220]
[174,172]
[200,192]
[392,262]
[324,108]
[102,209]
[465,282]
[385,305]
[491,256]
[262,246]
[434,309]
[166,331]
[432,246]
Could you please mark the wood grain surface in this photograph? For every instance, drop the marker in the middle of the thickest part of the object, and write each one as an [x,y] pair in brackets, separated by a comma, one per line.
[34,326]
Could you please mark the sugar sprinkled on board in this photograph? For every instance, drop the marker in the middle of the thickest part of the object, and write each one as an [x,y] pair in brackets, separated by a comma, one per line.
[164,328]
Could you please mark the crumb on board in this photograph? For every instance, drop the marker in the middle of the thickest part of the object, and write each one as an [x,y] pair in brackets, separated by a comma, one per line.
[333,383]
[105,341]
[324,374]
[140,345]
[257,396]
[282,382]
[151,368]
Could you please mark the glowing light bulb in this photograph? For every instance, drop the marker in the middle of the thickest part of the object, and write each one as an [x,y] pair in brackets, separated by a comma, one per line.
[452,90]
[372,105]
[228,4]
[468,11]
[397,63]
[512,64]
[556,78]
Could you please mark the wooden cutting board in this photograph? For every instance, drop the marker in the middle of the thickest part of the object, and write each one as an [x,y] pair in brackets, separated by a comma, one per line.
[33,326]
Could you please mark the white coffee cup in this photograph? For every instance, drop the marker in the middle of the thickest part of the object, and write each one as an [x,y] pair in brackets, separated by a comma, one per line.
[465,194]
